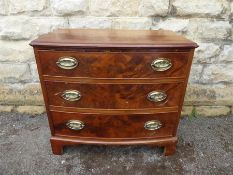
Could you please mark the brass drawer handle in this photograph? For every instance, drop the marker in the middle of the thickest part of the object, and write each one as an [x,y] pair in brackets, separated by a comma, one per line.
[153,125]
[75,125]
[67,62]
[161,64]
[71,95]
[157,96]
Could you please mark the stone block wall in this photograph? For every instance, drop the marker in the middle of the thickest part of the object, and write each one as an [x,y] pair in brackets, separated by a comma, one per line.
[209,23]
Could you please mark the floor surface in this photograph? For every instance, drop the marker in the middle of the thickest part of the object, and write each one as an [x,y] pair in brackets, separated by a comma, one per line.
[205,147]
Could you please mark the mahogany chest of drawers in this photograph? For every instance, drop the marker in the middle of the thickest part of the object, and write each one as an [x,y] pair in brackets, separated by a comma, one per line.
[113,87]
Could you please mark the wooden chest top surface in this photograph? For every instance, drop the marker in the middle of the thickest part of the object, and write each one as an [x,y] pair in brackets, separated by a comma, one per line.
[113,38]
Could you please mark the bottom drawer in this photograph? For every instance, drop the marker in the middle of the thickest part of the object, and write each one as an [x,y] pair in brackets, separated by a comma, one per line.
[114,126]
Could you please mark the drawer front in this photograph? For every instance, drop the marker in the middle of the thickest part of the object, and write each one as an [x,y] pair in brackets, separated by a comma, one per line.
[114,96]
[113,65]
[114,126]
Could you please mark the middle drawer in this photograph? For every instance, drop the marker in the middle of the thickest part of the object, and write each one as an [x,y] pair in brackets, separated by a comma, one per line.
[114,96]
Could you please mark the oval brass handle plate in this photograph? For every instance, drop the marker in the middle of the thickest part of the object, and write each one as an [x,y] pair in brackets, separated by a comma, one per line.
[71,95]
[157,96]
[161,64]
[153,125]
[67,62]
[75,125]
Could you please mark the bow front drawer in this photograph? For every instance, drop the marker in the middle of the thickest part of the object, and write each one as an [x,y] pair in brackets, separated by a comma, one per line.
[114,126]
[114,64]
[114,96]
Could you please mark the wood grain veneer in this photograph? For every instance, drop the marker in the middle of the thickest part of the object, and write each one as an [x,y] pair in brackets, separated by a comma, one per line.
[113,64]
[114,76]
[114,96]
[114,126]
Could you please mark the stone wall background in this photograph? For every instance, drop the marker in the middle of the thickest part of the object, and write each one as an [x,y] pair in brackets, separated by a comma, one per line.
[209,23]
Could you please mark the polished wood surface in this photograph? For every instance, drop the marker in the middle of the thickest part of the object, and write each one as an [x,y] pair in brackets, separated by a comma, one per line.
[113,96]
[114,64]
[114,111]
[114,126]
[114,76]
[58,142]
[113,38]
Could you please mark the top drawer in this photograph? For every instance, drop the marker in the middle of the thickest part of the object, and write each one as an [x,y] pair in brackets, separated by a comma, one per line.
[114,64]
